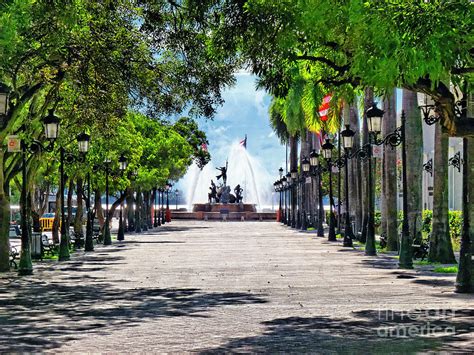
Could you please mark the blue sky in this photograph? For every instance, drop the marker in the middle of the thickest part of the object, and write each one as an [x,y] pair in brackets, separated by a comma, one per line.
[245,111]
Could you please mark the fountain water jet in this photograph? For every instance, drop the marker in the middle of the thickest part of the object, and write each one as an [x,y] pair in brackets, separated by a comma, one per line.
[244,170]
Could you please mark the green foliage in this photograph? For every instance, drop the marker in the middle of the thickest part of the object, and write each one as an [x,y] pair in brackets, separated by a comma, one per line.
[427,216]
[446,269]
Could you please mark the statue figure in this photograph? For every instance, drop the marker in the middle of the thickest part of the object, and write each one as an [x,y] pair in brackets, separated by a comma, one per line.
[223,175]
[213,193]
[225,194]
[238,194]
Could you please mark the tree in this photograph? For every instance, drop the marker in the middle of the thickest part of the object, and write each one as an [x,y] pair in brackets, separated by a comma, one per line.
[389,184]
[441,249]
[414,166]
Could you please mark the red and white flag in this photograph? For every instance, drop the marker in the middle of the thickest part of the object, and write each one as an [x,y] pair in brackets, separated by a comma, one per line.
[322,136]
[324,108]
[243,142]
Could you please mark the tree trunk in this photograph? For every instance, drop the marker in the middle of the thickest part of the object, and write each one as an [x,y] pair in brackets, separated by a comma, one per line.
[355,172]
[389,184]
[414,149]
[70,191]
[57,218]
[99,212]
[130,212]
[4,220]
[138,221]
[293,166]
[78,220]
[465,276]
[441,248]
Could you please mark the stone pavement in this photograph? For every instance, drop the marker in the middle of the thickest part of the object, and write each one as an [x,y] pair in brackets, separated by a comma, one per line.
[236,286]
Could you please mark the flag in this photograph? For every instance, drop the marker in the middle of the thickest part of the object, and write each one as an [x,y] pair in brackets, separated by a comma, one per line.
[243,142]
[324,108]
[322,136]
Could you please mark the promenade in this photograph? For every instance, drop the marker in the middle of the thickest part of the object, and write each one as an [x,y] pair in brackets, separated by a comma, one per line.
[235,286]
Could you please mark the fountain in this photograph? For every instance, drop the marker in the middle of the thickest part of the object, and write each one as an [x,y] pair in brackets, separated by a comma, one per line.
[239,189]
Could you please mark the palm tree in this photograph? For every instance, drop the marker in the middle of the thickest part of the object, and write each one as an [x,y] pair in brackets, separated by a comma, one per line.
[414,152]
[441,248]
[389,176]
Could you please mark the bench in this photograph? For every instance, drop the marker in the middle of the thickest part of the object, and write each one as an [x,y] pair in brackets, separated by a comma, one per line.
[13,256]
[420,251]
[47,246]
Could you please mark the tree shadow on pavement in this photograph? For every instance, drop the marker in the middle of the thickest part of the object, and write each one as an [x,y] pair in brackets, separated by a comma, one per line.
[36,315]
[370,331]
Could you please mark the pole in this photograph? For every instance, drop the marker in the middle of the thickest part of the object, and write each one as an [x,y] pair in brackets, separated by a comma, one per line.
[370,237]
[304,225]
[163,221]
[158,212]
[332,230]
[89,237]
[339,183]
[64,242]
[26,265]
[406,249]
[107,237]
[321,204]
[465,276]
[121,232]
[280,213]
[155,219]
[348,233]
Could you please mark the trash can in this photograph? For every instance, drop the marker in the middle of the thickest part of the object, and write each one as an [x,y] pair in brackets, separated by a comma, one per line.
[36,246]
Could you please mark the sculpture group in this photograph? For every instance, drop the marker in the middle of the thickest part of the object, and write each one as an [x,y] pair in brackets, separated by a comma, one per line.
[222,193]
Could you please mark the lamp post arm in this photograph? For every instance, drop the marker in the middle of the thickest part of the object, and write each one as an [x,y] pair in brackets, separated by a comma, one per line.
[393,139]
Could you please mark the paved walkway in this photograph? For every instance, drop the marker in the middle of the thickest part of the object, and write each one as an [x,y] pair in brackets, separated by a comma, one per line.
[243,286]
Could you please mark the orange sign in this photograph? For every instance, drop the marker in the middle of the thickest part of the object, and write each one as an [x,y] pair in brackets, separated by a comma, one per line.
[14,144]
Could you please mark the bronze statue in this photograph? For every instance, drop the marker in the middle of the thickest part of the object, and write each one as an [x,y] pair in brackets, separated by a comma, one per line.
[238,194]
[213,193]
[223,174]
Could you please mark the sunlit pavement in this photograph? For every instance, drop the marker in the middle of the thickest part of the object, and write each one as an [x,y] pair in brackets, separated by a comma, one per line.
[236,286]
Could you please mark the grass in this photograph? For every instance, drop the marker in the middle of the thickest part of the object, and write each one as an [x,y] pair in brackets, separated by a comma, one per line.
[424,262]
[378,248]
[446,269]
[311,229]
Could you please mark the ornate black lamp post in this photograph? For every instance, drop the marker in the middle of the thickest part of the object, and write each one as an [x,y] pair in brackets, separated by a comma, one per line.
[107,236]
[294,197]
[51,124]
[289,188]
[347,136]
[280,191]
[162,191]
[157,208]
[306,166]
[313,162]
[327,153]
[374,122]
[121,232]
[284,192]
[169,186]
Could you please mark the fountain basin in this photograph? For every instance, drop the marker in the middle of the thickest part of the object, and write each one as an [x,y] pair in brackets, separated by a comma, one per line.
[224,207]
